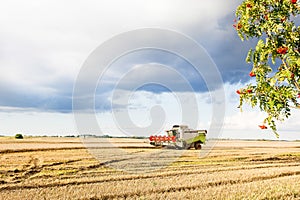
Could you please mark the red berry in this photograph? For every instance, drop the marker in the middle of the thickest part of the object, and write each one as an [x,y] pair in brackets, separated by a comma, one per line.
[238,92]
[292,76]
[298,95]
[249,91]
[282,19]
[282,50]
[266,17]
[248,5]
[293,1]
[239,26]
[263,127]
[252,74]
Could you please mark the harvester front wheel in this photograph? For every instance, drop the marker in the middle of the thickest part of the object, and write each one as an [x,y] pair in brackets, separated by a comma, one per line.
[197,145]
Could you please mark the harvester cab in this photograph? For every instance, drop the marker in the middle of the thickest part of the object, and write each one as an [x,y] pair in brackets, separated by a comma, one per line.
[180,137]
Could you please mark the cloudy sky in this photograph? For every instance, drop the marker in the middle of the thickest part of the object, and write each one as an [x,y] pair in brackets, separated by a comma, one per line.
[44,45]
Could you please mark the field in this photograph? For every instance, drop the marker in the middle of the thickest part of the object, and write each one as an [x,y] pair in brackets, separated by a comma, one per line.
[62,168]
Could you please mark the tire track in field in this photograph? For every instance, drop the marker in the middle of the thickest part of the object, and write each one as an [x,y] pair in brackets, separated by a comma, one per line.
[6,151]
[34,169]
[286,196]
[40,167]
[193,187]
[173,172]
[128,178]
[40,142]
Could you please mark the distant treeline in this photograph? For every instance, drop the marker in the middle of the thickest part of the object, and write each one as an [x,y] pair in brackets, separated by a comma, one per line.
[109,136]
[82,135]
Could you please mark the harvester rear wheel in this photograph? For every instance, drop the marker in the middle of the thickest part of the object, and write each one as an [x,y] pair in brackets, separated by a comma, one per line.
[197,145]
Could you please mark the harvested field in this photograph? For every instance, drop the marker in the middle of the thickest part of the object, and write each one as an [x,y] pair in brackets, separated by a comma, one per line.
[62,168]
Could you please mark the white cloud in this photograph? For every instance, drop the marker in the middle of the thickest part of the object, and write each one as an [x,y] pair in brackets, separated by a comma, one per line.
[57,36]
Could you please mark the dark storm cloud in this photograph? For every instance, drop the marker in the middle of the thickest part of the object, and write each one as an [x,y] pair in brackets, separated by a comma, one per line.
[47,98]
[228,53]
[227,50]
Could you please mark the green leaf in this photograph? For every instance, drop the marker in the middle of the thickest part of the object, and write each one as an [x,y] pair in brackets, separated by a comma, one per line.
[249,56]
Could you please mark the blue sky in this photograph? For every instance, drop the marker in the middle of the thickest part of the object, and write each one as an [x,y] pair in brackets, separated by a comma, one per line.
[43,45]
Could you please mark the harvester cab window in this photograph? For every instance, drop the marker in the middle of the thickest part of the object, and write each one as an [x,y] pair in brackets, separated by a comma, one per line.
[174,132]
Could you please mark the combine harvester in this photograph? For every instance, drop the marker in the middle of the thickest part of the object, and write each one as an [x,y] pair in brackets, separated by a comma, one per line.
[180,137]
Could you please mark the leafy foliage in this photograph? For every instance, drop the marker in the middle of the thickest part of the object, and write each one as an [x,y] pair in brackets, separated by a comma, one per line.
[275,59]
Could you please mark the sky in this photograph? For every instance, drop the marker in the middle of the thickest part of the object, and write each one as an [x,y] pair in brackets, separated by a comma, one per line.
[44,46]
